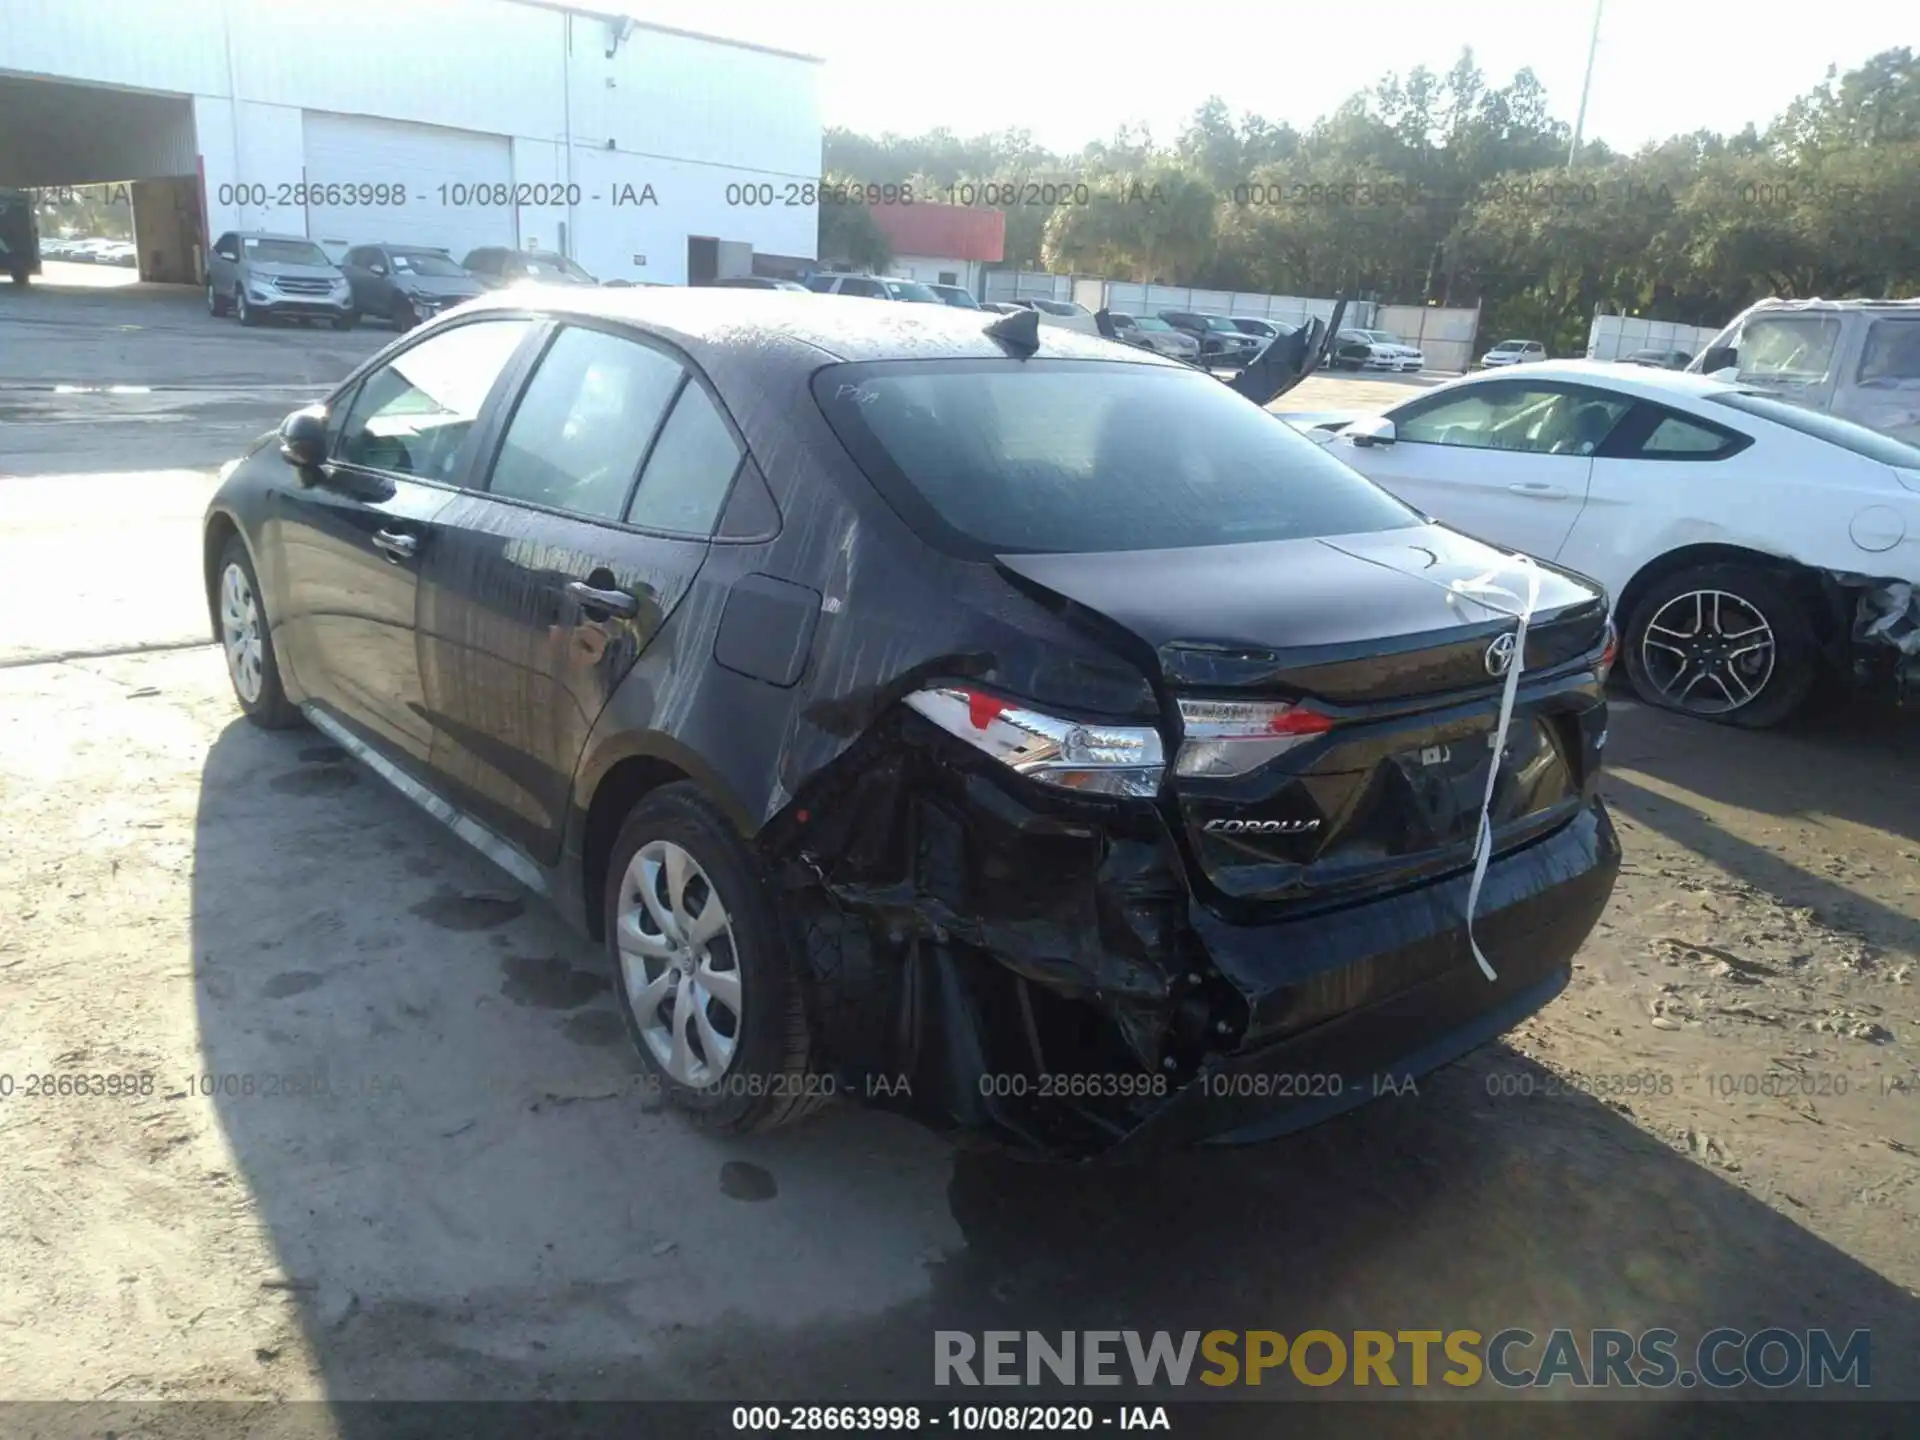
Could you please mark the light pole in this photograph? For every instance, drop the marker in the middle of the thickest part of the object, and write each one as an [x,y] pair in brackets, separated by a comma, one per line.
[1580,120]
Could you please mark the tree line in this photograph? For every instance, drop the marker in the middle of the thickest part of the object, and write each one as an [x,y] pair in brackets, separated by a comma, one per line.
[1447,189]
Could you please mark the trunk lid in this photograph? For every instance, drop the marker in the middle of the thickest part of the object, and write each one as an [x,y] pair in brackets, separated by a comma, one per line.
[1371,632]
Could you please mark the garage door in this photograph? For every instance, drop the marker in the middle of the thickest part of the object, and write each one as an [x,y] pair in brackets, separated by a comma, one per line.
[359,151]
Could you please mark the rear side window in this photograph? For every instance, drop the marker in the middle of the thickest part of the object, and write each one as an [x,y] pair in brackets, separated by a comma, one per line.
[986,457]
[584,422]
[1891,357]
[1675,436]
[690,471]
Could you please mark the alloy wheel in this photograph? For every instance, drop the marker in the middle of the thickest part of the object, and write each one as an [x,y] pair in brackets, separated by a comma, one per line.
[240,634]
[678,963]
[1708,651]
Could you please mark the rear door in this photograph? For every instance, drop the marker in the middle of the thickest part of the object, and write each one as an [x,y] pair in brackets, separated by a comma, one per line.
[548,580]
[353,536]
[1508,461]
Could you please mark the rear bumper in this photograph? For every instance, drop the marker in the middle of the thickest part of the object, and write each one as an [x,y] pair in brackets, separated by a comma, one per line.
[1352,1005]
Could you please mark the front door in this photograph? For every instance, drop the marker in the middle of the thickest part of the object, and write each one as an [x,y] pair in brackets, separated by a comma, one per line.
[1506,461]
[352,538]
[542,590]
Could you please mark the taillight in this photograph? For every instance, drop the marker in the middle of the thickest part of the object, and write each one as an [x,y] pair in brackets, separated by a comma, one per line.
[1093,759]
[1233,737]
[1608,655]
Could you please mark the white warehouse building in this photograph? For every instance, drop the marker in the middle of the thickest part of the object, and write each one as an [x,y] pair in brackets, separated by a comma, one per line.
[644,153]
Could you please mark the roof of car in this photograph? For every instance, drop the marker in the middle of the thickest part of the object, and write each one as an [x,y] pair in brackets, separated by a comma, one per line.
[709,318]
[1611,372]
[261,235]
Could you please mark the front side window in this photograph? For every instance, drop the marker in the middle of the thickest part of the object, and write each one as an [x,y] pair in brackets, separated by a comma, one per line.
[412,415]
[1791,350]
[1515,417]
[986,457]
[583,424]
[690,470]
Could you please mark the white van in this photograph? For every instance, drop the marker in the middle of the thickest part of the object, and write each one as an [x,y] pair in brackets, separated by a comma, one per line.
[1856,359]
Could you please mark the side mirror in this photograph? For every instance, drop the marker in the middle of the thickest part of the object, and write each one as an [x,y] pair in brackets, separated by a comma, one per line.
[377,268]
[1375,430]
[303,438]
[227,254]
[1719,357]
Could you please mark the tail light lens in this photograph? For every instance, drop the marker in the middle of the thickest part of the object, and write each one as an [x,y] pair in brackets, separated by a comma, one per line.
[1092,759]
[1233,737]
[1608,655]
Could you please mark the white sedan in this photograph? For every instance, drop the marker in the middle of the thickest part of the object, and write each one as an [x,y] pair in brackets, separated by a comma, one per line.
[1746,543]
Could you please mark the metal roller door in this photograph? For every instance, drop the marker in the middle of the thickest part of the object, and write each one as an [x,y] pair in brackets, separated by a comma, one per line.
[356,152]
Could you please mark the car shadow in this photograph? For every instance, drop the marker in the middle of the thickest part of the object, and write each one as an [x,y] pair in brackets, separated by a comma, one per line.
[484,1199]
[1857,763]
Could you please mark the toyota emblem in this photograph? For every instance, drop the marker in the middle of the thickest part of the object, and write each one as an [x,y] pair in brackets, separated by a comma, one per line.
[1500,655]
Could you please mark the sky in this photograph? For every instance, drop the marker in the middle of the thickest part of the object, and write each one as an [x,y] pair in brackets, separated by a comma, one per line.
[1072,71]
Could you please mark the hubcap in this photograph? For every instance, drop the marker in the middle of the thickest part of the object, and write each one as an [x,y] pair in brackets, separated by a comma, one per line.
[678,963]
[240,633]
[1708,651]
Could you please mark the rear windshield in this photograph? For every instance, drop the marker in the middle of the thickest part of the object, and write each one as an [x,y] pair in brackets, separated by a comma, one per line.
[986,457]
[1844,433]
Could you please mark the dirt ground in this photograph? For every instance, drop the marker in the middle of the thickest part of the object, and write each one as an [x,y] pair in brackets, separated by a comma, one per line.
[1718,1124]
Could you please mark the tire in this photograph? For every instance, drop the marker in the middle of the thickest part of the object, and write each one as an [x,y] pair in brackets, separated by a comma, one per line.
[248,315]
[216,306]
[345,322]
[767,1076]
[21,277]
[401,314]
[1722,604]
[255,673]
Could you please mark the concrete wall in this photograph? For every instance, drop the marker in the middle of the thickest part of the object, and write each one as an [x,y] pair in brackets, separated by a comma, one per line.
[693,118]
[1612,336]
[1447,337]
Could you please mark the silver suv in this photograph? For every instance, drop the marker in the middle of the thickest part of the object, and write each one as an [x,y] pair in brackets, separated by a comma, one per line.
[1858,360]
[873,287]
[258,276]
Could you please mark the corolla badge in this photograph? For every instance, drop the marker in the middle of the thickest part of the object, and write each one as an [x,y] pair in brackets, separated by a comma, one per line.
[1260,827]
[1500,655]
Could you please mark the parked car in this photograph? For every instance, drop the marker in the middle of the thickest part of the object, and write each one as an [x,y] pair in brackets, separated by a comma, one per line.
[1221,342]
[1856,359]
[119,252]
[1750,546]
[405,284]
[957,296]
[1064,314]
[497,266]
[20,248]
[1658,359]
[756,282]
[807,662]
[1150,332]
[1002,307]
[1513,352]
[1262,331]
[1374,350]
[260,276]
[87,251]
[873,287]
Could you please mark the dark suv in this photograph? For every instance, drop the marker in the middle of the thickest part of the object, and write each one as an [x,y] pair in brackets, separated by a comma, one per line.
[1221,341]
[405,284]
[1026,720]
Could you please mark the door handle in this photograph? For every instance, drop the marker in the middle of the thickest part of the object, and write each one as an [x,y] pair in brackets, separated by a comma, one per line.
[395,546]
[609,602]
[1539,491]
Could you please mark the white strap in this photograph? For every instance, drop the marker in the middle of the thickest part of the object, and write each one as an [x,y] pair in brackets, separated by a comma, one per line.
[1482,591]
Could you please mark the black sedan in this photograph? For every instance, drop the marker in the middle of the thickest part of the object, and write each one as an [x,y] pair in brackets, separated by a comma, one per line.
[405,284]
[998,723]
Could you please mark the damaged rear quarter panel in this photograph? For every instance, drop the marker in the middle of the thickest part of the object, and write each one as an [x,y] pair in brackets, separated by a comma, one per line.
[954,889]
